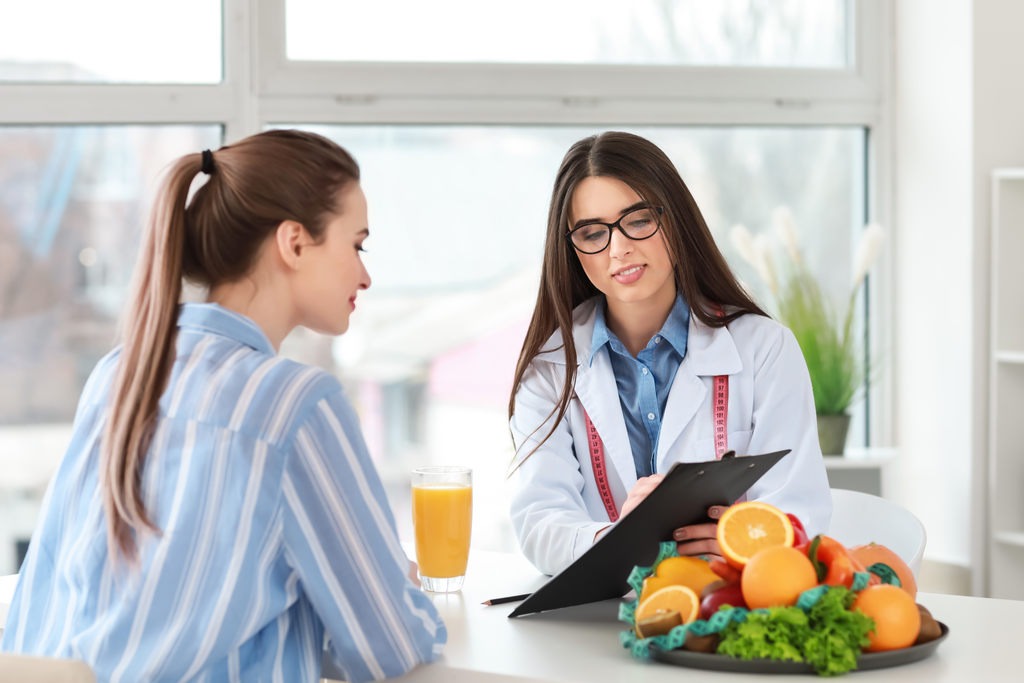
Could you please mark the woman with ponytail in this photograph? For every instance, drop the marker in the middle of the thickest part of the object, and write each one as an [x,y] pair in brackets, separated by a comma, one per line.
[217,516]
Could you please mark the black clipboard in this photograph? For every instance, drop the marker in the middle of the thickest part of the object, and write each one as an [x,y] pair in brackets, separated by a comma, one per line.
[683,497]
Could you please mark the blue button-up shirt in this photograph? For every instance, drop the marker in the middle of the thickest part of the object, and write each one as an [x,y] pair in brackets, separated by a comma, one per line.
[276,534]
[644,381]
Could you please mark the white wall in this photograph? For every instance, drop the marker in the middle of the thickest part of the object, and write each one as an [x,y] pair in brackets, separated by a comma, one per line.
[933,241]
[959,113]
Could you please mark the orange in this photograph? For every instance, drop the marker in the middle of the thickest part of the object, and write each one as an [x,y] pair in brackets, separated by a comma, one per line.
[679,599]
[897,619]
[750,526]
[679,571]
[776,576]
[871,553]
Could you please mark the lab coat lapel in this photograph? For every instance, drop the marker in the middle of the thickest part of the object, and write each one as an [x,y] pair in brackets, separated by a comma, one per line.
[710,351]
[599,395]
[684,401]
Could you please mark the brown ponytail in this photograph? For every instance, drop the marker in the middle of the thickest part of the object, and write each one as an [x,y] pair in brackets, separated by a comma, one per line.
[146,357]
[254,185]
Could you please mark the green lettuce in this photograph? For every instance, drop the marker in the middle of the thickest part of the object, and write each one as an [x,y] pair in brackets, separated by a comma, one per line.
[828,636]
[838,634]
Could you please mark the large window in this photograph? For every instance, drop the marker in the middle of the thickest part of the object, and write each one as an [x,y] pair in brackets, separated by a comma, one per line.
[458,217]
[458,133]
[72,203]
[111,41]
[756,33]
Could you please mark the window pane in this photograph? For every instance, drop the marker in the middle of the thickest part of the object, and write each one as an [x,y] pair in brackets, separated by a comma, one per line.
[457,216]
[73,201]
[112,41]
[777,33]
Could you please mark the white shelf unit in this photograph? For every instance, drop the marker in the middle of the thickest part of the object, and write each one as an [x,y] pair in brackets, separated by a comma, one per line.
[1009,357]
[1005,525]
[1012,538]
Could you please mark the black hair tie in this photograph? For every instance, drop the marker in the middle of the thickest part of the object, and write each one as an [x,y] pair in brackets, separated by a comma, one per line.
[207,166]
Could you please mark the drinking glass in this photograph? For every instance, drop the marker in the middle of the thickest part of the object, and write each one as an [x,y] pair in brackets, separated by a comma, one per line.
[442,516]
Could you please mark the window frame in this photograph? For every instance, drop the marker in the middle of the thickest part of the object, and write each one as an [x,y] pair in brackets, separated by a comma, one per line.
[262,88]
[861,81]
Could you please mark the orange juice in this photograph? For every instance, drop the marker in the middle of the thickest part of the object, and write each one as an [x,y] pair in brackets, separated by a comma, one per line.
[442,516]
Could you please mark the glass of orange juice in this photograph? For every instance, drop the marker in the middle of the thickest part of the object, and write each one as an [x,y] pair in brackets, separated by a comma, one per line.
[442,516]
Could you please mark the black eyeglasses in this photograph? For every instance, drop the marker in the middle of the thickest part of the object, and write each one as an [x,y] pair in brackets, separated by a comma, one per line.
[638,224]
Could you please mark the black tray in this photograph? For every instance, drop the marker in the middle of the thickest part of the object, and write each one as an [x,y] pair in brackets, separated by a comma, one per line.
[867,660]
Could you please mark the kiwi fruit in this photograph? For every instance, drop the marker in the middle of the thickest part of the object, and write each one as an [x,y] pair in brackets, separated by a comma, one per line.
[658,624]
[708,643]
[930,629]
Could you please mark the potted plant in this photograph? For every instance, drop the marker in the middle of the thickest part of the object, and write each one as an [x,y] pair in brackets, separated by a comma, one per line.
[824,332]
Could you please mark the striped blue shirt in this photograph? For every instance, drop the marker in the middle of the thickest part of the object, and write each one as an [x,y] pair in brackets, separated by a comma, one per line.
[644,381]
[276,536]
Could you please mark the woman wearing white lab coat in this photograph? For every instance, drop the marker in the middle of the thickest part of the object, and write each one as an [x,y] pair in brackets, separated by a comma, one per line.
[620,218]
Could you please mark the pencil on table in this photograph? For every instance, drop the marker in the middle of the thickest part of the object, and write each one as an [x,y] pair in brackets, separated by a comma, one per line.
[510,598]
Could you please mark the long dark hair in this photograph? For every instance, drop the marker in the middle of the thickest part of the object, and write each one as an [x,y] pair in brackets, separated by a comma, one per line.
[253,186]
[701,272]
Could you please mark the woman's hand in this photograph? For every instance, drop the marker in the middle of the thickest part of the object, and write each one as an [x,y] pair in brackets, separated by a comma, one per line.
[643,487]
[700,539]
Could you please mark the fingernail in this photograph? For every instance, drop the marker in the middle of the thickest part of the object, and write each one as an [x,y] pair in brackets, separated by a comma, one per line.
[679,535]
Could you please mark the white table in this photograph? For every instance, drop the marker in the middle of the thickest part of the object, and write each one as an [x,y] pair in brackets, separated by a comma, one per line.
[580,644]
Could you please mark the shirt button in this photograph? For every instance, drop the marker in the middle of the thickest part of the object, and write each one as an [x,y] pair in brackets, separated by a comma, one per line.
[650,416]
[643,371]
[657,340]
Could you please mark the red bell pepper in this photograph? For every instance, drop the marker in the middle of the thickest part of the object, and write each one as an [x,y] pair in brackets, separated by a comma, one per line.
[831,561]
[799,533]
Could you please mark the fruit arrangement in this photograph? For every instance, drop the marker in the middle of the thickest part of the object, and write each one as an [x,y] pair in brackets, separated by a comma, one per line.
[777,595]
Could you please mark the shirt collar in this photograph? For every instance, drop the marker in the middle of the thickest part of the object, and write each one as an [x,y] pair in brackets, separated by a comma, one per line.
[215,319]
[602,335]
[675,329]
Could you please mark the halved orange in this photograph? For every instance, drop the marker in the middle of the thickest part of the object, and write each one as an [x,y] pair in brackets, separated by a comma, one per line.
[681,599]
[750,526]
[679,571]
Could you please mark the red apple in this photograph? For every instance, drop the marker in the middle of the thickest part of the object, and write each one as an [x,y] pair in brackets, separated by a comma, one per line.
[712,587]
[729,594]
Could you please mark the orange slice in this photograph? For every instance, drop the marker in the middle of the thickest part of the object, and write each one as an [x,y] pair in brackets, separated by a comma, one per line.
[692,572]
[680,599]
[750,526]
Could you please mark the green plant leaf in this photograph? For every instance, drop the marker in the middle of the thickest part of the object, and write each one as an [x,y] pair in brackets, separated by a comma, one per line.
[825,339]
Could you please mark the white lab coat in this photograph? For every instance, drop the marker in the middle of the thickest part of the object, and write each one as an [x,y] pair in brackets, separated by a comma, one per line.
[555,505]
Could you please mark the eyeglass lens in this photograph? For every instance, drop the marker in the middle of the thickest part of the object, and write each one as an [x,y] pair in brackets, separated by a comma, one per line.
[595,237]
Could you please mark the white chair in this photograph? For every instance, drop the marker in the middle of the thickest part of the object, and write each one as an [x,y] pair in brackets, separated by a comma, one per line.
[859,518]
[23,669]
